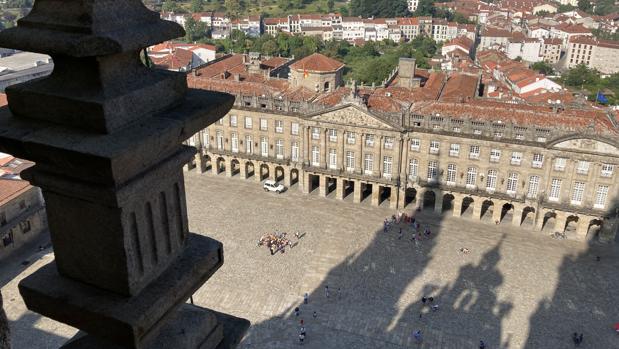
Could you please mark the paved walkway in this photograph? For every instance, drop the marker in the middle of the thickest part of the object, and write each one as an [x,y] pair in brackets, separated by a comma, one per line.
[515,289]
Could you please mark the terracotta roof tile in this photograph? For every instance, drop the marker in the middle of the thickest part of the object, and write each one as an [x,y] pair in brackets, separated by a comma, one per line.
[317,62]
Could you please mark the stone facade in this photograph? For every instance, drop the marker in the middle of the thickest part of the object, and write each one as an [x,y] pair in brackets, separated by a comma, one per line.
[547,179]
[22,218]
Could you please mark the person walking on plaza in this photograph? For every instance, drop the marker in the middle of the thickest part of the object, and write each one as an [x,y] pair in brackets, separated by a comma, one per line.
[482,345]
[301,338]
[423,300]
[296,312]
[418,336]
[385,225]
[400,234]
[327,291]
[575,338]
[305,298]
[315,314]
[339,293]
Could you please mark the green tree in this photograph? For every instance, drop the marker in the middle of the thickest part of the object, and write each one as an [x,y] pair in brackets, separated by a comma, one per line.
[585,5]
[581,75]
[196,5]
[343,10]
[233,7]
[170,6]
[330,5]
[543,68]
[379,8]
[425,8]
[194,30]
[269,48]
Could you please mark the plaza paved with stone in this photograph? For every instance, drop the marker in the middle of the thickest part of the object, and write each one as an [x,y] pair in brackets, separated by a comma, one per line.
[515,289]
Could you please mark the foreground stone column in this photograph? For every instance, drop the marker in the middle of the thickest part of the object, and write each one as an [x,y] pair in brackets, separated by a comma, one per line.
[356,198]
[375,194]
[322,188]
[339,188]
[106,133]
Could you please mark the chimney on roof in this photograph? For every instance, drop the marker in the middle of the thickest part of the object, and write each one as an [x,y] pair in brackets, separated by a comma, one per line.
[237,77]
[406,72]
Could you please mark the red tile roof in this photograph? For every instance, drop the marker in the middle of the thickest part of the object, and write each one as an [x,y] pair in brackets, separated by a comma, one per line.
[12,188]
[318,63]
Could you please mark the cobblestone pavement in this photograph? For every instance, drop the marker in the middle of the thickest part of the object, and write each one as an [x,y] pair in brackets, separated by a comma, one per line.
[515,289]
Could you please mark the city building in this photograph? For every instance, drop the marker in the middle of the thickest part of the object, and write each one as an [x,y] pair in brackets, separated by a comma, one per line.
[23,66]
[22,209]
[594,53]
[419,140]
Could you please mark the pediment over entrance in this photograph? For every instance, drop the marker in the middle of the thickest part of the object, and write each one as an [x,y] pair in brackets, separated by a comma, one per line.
[353,116]
[590,145]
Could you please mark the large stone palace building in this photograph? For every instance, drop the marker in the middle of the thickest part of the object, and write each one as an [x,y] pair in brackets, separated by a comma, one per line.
[420,140]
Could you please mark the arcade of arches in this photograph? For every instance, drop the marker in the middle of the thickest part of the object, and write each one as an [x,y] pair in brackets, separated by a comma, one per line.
[522,214]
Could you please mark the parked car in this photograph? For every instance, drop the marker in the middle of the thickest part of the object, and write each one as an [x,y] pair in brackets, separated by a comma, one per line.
[270,185]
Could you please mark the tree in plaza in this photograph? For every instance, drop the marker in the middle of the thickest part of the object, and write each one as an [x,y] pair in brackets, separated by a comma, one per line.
[543,68]
[330,5]
[196,5]
[585,5]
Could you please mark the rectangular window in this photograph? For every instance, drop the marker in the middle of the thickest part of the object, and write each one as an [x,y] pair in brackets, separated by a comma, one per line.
[350,161]
[221,121]
[7,239]
[555,190]
[434,147]
[263,124]
[607,170]
[279,126]
[315,156]
[495,155]
[533,186]
[387,163]
[264,146]
[538,160]
[369,140]
[516,158]
[233,120]
[294,154]
[415,144]
[294,128]
[332,135]
[560,164]
[350,137]
[315,133]
[519,136]
[25,226]
[249,145]
[432,171]
[388,143]
[413,168]
[451,174]
[368,164]
[582,167]
[474,152]
[456,129]
[578,193]
[248,122]
[279,148]
[600,196]
[454,149]
[235,142]
[491,180]
[333,159]
[471,177]
[512,183]
[220,140]
[205,139]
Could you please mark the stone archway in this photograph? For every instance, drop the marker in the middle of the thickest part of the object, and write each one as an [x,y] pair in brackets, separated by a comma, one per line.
[294,177]
[264,172]
[487,210]
[593,231]
[208,165]
[549,222]
[448,203]
[235,167]
[507,213]
[220,165]
[467,207]
[571,225]
[528,217]
[410,196]
[250,170]
[429,200]
[279,173]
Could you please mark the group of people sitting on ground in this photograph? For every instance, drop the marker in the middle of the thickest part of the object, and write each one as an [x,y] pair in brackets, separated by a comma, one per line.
[276,242]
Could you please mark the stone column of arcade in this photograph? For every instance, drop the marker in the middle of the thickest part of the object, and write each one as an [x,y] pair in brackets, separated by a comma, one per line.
[105,133]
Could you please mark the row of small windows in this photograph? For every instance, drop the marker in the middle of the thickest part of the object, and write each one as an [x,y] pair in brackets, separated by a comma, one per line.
[578,188]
